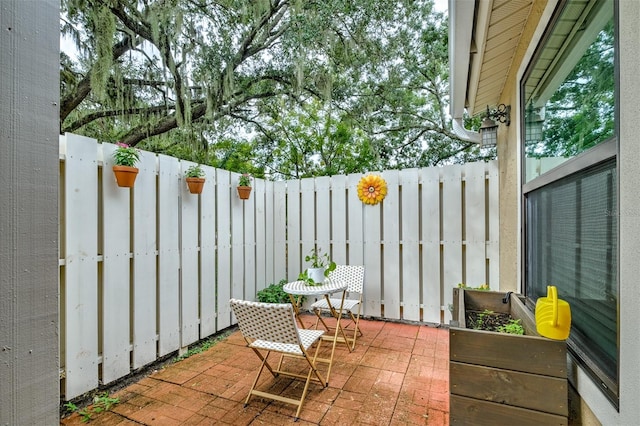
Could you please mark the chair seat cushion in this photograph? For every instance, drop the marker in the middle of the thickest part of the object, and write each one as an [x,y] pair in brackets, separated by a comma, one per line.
[348,305]
[307,337]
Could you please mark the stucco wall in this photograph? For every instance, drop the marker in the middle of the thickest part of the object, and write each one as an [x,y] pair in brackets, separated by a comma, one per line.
[29,96]
[629,211]
[509,162]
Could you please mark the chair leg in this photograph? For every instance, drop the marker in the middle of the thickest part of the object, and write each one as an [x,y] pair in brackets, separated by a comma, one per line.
[255,381]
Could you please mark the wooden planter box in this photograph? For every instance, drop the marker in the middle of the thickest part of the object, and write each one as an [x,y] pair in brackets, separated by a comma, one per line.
[504,379]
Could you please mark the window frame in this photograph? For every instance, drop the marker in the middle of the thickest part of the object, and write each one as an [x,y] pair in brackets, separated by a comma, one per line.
[605,150]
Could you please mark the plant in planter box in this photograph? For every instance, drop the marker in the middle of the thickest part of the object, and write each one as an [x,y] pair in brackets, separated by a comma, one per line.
[321,267]
[195,179]
[125,158]
[244,186]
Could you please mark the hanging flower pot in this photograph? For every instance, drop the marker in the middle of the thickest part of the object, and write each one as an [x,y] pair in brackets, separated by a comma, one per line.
[125,175]
[244,192]
[195,184]
[125,157]
[195,179]
[244,186]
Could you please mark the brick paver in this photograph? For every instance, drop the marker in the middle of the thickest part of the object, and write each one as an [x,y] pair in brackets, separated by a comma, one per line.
[397,375]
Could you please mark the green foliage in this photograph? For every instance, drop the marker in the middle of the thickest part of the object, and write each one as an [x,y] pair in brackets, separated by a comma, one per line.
[101,402]
[202,346]
[320,260]
[195,171]
[245,180]
[481,321]
[125,155]
[581,112]
[486,320]
[274,293]
[514,326]
[317,260]
[481,287]
[284,89]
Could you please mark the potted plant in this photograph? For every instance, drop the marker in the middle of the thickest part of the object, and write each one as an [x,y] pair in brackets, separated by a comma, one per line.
[195,179]
[125,158]
[321,266]
[244,186]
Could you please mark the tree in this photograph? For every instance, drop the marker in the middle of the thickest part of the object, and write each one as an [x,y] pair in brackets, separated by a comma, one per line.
[581,112]
[210,75]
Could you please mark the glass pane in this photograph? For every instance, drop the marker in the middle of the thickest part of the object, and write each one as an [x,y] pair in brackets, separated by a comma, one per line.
[568,91]
[571,236]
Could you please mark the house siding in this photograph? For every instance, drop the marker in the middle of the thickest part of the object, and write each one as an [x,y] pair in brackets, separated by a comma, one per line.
[29,95]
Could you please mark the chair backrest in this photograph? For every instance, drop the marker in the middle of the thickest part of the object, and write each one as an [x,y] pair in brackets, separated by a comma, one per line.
[353,275]
[274,322]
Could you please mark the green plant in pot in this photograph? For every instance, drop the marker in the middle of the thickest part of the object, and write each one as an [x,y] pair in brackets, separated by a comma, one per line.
[194,177]
[125,158]
[321,267]
[244,186]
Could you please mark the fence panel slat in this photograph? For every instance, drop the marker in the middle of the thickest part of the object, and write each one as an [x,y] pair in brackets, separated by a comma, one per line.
[323,214]
[475,229]
[261,276]
[355,224]
[249,246]
[391,246]
[308,223]
[451,232]
[338,211]
[208,255]
[372,257]
[80,266]
[293,231]
[168,255]
[493,244]
[239,208]
[189,220]
[410,214]
[431,249]
[223,212]
[116,245]
[279,233]
[144,267]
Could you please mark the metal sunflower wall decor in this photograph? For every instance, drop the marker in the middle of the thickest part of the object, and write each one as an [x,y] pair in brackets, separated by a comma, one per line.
[372,189]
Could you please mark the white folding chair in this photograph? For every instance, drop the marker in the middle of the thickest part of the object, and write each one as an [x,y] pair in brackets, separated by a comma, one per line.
[353,275]
[271,327]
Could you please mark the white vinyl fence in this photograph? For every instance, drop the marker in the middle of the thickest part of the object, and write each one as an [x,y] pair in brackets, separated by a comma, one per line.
[149,270]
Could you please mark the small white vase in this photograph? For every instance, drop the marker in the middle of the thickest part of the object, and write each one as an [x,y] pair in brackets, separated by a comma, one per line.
[316,274]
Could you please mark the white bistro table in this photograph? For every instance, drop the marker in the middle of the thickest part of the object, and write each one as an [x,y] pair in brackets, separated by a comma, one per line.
[297,289]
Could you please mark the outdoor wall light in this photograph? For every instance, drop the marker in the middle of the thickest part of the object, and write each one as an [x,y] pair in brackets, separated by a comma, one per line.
[489,128]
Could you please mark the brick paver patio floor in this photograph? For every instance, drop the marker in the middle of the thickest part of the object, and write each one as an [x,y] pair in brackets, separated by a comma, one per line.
[397,375]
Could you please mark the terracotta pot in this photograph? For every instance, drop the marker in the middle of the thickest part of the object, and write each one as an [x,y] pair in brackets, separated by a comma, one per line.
[125,175]
[195,184]
[244,192]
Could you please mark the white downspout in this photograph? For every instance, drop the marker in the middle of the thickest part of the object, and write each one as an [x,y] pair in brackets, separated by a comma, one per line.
[465,134]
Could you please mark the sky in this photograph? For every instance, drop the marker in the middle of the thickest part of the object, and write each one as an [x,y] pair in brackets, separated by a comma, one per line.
[441,5]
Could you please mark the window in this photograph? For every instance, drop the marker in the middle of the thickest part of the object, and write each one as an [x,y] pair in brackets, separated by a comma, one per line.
[570,180]
[569,91]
